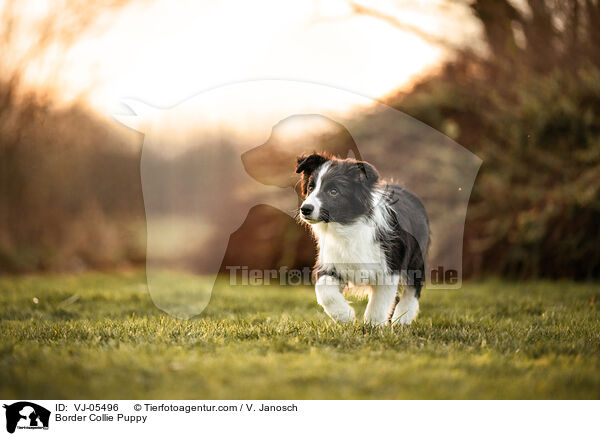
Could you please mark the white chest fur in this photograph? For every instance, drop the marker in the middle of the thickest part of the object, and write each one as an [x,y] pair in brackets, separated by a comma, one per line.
[353,250]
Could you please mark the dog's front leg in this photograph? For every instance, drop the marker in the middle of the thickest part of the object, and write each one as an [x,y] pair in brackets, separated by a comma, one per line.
[381,303]
[329,295]
[407,308]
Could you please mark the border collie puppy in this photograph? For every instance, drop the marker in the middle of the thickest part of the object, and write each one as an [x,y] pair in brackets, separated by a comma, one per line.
[369,233]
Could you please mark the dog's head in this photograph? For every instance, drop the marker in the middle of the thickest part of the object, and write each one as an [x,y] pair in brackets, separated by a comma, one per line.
[272,163]
[335,190]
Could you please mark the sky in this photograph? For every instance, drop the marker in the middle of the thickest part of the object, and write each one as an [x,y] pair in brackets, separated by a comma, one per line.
[163,52]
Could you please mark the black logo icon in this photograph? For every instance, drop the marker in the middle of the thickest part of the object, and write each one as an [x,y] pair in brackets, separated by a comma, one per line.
[24,414]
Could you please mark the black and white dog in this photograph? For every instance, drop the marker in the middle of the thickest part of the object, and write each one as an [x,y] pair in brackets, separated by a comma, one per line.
[369,233]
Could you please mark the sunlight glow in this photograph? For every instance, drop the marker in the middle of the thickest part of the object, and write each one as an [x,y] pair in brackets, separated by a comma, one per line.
[165,52]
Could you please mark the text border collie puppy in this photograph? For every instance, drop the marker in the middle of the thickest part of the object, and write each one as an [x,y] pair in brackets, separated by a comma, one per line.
[369,233]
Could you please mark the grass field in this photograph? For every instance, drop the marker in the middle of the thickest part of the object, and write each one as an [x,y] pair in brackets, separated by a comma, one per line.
[98,336]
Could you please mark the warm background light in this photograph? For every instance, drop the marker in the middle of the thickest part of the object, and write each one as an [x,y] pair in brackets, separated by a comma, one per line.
[164,52]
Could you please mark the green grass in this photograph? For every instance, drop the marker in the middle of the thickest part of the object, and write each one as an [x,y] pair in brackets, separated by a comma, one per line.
[488,340]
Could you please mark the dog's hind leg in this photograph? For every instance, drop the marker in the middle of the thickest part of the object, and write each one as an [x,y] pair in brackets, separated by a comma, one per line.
[329,296]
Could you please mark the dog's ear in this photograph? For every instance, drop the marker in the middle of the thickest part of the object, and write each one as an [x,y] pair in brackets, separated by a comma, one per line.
[366,173]
[307,164]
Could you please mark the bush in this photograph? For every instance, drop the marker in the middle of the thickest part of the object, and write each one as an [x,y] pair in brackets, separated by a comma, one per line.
[535,207]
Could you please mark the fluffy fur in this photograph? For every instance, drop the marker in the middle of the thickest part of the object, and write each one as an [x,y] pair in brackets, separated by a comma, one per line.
[369,232]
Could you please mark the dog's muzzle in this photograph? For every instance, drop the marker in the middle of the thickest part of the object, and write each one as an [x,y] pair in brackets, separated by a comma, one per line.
[307,213]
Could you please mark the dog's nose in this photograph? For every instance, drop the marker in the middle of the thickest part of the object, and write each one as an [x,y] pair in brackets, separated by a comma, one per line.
[307,209]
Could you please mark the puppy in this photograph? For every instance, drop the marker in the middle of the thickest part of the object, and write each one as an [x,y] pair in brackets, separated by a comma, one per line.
[369,233]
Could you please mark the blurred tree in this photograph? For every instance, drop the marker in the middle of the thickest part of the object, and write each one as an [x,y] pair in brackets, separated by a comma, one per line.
[530,109]
[70,194]
[497,18]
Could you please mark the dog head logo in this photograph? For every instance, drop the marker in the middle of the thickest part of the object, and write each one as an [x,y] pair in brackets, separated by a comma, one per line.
[26,415]
[274,162]
[202,175]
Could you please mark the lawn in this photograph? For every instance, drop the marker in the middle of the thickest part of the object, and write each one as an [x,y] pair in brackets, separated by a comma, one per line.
[99,336]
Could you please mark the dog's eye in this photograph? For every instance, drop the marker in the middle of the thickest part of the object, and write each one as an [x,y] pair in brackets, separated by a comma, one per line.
[333,192]
[311,187]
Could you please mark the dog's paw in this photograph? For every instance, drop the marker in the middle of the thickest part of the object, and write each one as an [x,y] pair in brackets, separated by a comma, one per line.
[344,316]
[376,322]
[406,311]
[402,320]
